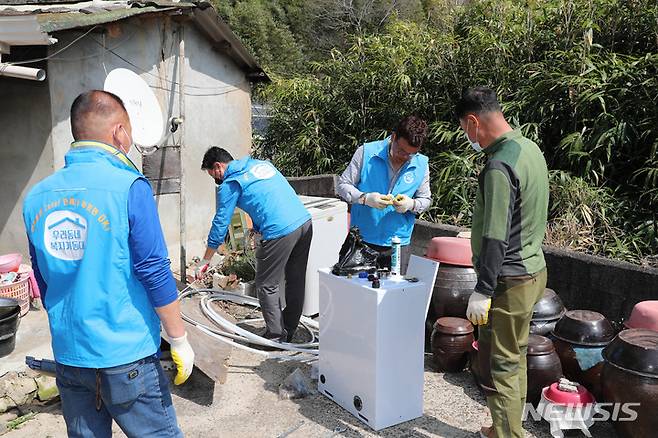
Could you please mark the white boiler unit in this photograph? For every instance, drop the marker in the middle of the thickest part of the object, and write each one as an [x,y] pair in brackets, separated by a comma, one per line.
[329,216]
[372,344]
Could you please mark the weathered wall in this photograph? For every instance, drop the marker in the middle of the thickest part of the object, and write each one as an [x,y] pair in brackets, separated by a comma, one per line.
[582,281]
[216,108]
[26,154]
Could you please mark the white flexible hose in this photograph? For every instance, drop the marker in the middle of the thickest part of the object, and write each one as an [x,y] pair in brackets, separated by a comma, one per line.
[234,328]
[232,332]
[240,334]
[279,356]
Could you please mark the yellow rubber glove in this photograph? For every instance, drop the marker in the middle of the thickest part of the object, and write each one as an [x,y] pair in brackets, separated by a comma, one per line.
[478,308]
[403,203]
[378,201]
[183,356]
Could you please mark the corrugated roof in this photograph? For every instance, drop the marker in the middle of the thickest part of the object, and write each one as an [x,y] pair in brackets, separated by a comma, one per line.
[24,30]
[53,22]
[29,22]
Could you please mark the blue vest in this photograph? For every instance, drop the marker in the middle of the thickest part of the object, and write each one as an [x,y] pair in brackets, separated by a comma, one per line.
[267,197]
[77,219]
[379,226]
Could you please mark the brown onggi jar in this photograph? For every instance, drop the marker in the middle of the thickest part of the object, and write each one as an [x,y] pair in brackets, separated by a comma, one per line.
[630,375]
[451,340]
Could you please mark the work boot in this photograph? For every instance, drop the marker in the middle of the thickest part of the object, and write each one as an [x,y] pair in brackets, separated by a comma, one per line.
[290,335]
[488,432]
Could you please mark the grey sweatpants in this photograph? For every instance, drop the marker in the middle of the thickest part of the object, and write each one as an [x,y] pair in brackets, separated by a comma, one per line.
[286,255]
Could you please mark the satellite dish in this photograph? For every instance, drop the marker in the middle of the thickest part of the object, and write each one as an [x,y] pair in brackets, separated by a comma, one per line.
[142,105]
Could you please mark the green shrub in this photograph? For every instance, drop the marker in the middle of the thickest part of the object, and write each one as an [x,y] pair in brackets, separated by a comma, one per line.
[579,77]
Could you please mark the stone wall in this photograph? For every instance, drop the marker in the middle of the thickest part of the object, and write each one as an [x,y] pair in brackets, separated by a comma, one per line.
[582,281]
[316,185]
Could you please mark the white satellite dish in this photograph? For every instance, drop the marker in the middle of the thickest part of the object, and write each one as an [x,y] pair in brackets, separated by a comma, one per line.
[142,105]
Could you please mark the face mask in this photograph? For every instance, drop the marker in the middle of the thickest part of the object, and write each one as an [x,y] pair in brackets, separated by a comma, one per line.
[218,180]
[474,144]
[131,143]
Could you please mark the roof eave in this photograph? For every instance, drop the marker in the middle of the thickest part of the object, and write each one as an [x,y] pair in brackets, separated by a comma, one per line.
[224,40]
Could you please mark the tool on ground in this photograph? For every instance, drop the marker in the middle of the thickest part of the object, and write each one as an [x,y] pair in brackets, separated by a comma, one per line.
[44,366]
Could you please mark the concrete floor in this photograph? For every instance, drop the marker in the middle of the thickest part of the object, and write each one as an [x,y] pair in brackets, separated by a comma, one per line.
[248,404]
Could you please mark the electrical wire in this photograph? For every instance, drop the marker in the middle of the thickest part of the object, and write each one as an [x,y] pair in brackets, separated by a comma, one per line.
[30,61]
[230,88]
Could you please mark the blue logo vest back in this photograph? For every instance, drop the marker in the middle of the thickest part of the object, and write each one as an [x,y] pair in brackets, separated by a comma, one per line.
[77,219]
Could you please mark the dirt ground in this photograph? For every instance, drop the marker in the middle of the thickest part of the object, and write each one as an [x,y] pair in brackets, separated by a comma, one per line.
[247,405]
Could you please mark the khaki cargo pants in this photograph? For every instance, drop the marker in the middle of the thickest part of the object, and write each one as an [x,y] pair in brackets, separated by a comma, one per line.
[506,335]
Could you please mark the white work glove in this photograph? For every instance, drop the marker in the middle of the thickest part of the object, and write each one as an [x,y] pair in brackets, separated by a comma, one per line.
[183,356]
[378,201]
[201,269]
[403,203]
[478,308]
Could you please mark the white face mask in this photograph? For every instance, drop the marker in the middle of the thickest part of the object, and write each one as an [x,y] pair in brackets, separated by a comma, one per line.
[474,144]
[132,143]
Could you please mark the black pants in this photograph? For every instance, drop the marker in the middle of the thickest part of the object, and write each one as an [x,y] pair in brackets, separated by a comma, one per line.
[286,255]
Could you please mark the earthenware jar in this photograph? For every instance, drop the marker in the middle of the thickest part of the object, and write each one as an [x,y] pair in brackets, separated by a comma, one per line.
[546,313]
[455,279]
[630,375]
[452,289]
[451,341]
[481,368]
[544,366]
[580,336]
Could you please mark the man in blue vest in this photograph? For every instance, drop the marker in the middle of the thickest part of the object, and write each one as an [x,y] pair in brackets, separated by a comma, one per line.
[388,184]
[259,189]
[101,262]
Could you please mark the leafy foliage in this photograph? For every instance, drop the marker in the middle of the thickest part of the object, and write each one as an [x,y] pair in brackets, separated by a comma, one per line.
[579,77]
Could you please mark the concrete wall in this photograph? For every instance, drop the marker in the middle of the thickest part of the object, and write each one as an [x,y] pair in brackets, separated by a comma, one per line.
[582,281]
[217,104]
[26,154]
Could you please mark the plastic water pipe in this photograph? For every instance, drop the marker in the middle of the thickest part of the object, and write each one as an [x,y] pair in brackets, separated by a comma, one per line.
[17,71]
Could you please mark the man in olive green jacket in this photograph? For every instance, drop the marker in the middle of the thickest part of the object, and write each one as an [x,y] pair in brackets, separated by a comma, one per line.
[509,223]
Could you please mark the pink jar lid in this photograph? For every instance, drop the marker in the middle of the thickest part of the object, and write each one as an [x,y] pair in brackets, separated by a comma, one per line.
[555,395]
[451,250]
[644,315]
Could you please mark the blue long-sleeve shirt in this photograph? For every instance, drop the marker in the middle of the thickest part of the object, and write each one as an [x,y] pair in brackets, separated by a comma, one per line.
[261,191]
[147,248]
[226,199]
